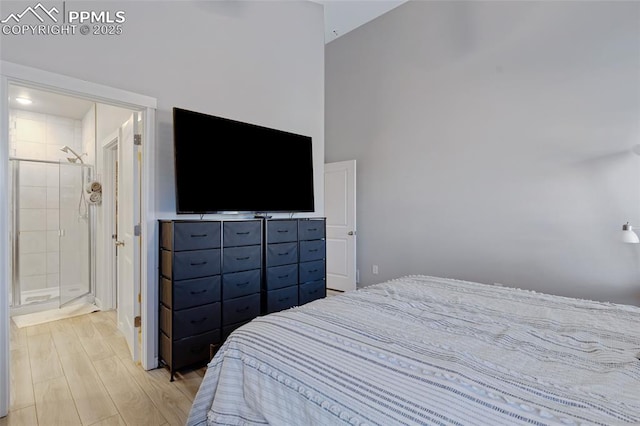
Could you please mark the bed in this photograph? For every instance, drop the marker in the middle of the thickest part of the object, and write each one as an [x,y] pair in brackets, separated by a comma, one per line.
[424,350]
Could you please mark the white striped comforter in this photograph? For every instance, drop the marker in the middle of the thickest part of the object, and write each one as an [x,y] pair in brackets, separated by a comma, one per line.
[424,350]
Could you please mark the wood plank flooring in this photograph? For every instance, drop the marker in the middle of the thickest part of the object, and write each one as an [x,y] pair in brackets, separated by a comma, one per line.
[78,371]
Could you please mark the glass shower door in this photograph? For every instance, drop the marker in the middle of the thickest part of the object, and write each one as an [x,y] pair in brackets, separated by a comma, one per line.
[74,235]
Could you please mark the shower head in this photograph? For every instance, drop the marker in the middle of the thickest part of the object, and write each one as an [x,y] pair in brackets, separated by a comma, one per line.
[67,150]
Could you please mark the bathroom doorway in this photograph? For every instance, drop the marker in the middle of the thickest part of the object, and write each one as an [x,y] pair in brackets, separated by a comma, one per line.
[64,235]
[23,76]
[52,209]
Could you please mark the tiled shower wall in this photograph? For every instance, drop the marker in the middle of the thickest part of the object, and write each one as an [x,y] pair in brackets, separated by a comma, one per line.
[40,137]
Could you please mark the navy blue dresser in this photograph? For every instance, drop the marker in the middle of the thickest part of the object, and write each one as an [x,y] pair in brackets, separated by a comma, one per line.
[216,276]
[190,292]
[241,273]
[295,257]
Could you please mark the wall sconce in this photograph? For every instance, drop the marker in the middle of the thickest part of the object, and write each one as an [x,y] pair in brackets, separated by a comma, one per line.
[628,236]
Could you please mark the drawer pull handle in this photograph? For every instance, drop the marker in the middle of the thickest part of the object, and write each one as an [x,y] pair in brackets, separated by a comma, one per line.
[200,321]
[197,349]
[246,308]
[242,258]
[313,292]
[313,270]
[242,284]
[284,299]
[199,292]
[243,233]
[312,229]
[283,254]
[198,263]
[198,235]
[283,231]
[283,276]
[311,251]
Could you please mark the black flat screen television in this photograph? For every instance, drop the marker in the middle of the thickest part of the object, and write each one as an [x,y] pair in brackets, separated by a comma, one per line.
[223,165]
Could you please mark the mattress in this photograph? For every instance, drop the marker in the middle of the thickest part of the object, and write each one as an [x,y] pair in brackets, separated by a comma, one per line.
[425,350]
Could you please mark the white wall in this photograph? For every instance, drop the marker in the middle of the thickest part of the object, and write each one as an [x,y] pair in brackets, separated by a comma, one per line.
[89,136]
[109,119]
[260,62]
[493,142]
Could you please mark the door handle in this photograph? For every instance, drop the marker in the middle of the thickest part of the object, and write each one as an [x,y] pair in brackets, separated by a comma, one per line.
[351,233]
[119,243]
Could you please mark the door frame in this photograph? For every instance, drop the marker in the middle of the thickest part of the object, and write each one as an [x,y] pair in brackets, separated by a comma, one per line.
[12,73]
[109,146]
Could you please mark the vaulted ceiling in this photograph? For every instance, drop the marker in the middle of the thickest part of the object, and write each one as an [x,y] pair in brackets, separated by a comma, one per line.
[342,16]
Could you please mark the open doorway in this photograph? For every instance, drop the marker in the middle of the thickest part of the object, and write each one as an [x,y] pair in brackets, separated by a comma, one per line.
[64,215]
[121,221]
[13,74]
[52,220]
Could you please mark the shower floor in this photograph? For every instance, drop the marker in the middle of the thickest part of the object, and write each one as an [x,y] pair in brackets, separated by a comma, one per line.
[39,296]
[54,314]
[44,295]
[48,299]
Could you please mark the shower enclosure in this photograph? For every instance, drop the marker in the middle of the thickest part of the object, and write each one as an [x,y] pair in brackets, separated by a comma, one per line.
[51,238]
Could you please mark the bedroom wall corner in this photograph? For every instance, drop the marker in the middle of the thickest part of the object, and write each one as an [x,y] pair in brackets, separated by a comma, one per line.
[493,142]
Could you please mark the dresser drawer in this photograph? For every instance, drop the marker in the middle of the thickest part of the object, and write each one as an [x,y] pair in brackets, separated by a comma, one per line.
[284,298]
[282,254]
[193,350]
[242,233]
[189,293]
[312,250]
[281,276]
[312,291]
[282,231]
[311,271]
[193,264]
[240,284]
[188,322]
[241,258]
[311,229]
[240,309]
[190,235]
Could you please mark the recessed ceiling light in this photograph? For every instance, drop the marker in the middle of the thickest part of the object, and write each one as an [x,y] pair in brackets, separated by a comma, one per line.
[24,101]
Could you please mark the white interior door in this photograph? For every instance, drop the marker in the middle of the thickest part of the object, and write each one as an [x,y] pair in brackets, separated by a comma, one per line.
[340,210]
[128,218]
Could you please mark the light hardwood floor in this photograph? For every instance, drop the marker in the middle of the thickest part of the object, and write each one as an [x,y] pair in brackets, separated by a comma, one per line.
[78,371]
